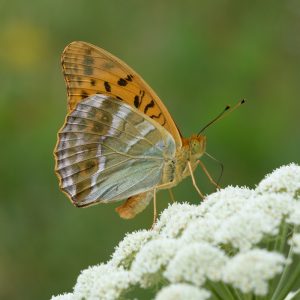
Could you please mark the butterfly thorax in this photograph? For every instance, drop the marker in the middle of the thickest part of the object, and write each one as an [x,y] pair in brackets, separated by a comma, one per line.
[177,169]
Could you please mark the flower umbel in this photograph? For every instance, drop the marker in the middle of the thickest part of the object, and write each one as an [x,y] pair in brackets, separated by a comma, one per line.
[239,243]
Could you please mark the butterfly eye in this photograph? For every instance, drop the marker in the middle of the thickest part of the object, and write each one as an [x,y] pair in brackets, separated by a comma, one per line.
[197,145]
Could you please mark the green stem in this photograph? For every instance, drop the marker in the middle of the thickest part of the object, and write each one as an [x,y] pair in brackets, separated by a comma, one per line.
[280,287]
[295,293]
[220,291]
[283,237]
[215,292]
[235,292]
[227,289]
[250,296]
[278,245]
[288,286]
[278,239]
[272,244]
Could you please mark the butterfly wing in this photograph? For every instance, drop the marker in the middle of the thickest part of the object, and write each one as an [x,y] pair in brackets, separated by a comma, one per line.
[91,70]
[109,151]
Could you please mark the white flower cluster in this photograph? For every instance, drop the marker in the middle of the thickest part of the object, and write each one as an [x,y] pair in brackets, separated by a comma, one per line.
[182,291]
[234,244]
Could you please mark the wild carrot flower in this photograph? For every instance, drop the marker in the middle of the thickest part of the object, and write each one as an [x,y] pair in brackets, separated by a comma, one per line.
[239,243]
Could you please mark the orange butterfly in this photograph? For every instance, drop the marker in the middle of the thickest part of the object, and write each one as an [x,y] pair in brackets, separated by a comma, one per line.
[118,141]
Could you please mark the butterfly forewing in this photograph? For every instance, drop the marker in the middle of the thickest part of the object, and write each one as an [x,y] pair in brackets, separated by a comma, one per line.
[108,150]
[91,70]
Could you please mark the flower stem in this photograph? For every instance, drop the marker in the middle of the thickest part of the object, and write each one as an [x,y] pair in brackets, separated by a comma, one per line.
[280,286]
[279,245]
[283,237]
[228,291]
[293,294]
[293,277]
[236,293]
[221,291]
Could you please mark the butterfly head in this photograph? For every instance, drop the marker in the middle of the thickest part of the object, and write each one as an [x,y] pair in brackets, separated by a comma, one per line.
[197,145]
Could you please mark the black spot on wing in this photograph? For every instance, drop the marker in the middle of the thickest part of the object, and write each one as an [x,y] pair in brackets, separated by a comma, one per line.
[155,116]
[93,82]
[122,82]
[136,101]
[84,94]
[142,93]
[149,105]
[129,77]
[107,86]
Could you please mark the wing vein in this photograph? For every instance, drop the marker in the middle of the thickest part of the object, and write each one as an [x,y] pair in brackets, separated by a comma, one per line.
[97,182]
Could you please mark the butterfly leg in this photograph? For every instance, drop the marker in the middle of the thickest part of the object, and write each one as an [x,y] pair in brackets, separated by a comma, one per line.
[162,186]
[171,195]
[193,180]
[207,174]
[154,209]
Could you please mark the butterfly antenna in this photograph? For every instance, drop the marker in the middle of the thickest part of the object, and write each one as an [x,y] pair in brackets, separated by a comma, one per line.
[228,109]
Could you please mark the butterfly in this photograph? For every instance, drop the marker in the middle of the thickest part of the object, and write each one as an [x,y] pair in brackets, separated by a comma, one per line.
[118,141]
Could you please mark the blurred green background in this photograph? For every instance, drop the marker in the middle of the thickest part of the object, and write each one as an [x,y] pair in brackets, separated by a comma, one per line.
[197,55]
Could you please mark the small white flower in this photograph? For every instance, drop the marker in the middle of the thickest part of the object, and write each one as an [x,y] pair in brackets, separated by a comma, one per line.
[285,179]
[195,263]
[251,270]
[103,282]
[226,202]
[295,243]
[260,217]
[245,230]
[216,209]
[294,215]
[126,250]
[175,218]
[182,291]
[152,259]
[201,230]
[67,296]
[275,205]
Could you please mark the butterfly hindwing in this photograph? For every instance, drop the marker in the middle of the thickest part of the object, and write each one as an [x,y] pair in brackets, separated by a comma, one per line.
[109,151]
[91,70]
